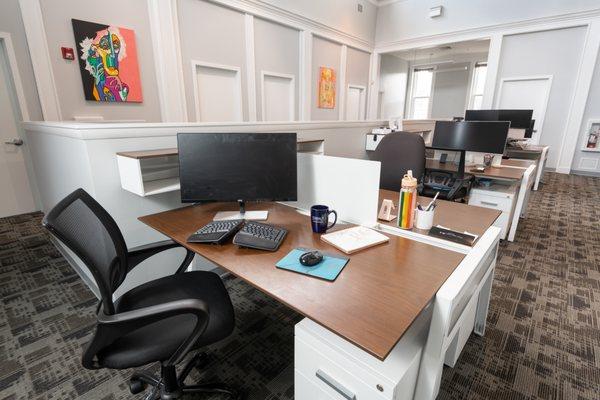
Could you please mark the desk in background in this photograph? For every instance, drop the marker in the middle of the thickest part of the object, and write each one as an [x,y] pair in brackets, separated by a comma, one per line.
[508,193]
[538,153]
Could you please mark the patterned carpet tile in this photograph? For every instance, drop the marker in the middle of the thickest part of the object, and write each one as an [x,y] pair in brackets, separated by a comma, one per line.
[542,340]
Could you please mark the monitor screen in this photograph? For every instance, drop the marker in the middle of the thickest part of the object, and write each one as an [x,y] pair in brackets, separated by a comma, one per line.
[237,166]
[479,136]
[519,119]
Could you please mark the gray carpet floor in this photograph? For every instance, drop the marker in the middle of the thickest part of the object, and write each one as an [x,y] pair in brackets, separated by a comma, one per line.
[542,339]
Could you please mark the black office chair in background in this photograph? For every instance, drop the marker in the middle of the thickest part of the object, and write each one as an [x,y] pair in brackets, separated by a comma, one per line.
[159,321]
[398,152]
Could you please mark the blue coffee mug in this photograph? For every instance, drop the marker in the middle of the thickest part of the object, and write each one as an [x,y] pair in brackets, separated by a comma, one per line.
[319,218]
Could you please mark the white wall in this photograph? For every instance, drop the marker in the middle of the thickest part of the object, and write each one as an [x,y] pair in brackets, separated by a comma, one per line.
[393,84]
[213,34]
[276,49]
[132,14]
[534,54]
[592,111]
[325,54]
[339,14]
[11,22]
[406,19]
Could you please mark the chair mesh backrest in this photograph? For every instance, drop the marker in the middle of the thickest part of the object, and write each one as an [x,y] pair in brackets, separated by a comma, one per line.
[89,231]
[398,152]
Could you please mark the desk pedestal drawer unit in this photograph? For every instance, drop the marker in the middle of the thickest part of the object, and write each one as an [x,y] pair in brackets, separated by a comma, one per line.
[329,367]
[499,196]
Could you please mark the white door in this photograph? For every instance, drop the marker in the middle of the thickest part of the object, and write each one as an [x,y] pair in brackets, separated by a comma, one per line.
[530,93]
[355,103]
[15,193]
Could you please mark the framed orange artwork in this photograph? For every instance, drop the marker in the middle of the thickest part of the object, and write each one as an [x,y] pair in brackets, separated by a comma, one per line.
[326,88]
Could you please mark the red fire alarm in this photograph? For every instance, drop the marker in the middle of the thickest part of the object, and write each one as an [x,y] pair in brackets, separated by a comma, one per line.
[67,53]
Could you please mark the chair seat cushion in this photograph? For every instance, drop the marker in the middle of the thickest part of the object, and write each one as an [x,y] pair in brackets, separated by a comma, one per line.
[158,341]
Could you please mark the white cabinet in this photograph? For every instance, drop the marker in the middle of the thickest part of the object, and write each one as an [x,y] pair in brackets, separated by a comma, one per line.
[328,367]
[372,141]
[498,196]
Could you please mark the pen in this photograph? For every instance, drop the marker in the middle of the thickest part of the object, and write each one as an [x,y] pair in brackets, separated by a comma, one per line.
[432,201]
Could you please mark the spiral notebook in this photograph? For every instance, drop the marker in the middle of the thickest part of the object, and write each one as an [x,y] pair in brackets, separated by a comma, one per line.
[354,239]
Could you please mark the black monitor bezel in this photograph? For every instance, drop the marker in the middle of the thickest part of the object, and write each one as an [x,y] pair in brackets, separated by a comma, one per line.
[232,199]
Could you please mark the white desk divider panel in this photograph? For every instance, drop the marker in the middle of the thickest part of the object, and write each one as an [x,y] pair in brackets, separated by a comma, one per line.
[344,184]
[526,183]
[459,308]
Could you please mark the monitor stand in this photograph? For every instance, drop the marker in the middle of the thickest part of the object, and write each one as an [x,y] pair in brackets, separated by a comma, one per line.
[242,214]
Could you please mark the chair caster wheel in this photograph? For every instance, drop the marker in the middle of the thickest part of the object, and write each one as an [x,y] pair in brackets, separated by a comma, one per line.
[136,386]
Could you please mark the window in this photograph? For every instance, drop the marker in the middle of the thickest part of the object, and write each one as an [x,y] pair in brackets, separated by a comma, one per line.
[479,74]
[421,92]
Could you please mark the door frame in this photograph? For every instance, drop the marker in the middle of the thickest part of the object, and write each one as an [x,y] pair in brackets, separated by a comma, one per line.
[7,48]
[548,78]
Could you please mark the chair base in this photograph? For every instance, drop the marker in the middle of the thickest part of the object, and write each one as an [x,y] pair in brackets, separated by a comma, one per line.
[170,386]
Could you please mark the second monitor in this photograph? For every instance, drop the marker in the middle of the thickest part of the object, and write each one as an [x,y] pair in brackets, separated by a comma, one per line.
[238,167]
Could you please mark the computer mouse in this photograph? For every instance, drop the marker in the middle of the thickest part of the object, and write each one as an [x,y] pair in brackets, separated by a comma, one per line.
[311,258]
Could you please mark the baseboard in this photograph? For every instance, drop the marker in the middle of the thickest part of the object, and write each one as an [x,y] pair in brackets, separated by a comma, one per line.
[586,173]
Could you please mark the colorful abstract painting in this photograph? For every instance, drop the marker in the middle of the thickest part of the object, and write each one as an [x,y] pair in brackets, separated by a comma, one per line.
[108,62]
[326,88]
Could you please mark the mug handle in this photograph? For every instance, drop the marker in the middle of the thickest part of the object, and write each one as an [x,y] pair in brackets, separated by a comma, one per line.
[334,221]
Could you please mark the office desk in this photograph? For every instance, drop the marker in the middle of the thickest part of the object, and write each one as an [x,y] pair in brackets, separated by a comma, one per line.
[538,153]
[452,215]
[391,304]
[512,201]
[517,163]
[371,304]
[493,172]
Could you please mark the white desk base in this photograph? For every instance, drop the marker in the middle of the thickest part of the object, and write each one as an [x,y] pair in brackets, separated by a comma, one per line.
[327,367]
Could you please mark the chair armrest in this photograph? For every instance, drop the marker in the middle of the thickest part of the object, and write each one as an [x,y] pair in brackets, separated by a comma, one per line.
[138,254]
[112,327]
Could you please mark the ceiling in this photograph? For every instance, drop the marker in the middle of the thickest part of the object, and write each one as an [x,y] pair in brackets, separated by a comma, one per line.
[444,51]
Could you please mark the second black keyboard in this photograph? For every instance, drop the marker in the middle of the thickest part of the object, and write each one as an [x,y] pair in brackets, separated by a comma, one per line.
[215,231]
[260,236]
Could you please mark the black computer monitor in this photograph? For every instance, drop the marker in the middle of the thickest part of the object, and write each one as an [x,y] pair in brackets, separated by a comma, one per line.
[529,131]
[478,136]
[237,167]
[519,119]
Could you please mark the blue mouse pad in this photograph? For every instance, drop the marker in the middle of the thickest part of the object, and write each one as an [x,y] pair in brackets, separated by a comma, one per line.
[328,269]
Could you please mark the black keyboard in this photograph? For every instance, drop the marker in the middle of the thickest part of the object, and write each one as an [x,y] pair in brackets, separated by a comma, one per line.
[260,236]
[216,231]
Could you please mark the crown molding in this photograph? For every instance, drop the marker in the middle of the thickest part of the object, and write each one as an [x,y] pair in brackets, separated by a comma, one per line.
[510,28]
[296,21]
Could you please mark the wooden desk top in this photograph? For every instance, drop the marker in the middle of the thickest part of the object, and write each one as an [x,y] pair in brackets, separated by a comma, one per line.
[372,302]
[456,216]
[490,172]
[514,162]
[173,151]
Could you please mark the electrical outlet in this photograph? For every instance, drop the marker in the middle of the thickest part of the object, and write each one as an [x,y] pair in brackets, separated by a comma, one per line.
[360,7]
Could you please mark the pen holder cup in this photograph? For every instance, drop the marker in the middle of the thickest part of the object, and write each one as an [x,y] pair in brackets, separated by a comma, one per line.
[424,219]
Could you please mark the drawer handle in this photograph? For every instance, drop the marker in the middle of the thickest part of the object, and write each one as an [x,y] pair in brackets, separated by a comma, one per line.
[489,203]
[335,385]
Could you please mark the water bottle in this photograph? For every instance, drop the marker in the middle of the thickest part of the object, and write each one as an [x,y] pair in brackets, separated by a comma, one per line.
[407,201]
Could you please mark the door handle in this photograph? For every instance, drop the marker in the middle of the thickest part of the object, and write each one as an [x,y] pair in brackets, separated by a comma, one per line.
[15,142]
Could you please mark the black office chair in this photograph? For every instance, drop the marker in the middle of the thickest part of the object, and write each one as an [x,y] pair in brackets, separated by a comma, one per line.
[398,152]
[158,321]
